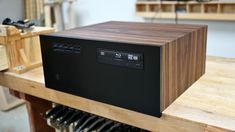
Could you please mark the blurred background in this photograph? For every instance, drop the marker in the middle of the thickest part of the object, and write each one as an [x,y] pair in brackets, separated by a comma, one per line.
[78,13]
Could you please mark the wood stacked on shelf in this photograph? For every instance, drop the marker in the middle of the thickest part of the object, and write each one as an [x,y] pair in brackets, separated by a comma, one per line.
[54,16]
[33,10]
[214,10]
[56,7]
[23,49]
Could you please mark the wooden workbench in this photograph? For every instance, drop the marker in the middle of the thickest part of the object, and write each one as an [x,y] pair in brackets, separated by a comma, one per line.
[208,105]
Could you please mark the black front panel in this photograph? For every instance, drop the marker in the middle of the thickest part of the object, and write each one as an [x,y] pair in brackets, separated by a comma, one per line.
[119,74]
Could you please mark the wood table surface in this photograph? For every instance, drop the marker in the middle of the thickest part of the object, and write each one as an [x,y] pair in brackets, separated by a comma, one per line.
[208,105]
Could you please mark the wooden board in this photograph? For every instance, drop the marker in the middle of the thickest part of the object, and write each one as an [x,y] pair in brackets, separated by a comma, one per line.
[131,32]
[6,30]
[211,99]
[23,49]
[191,16]
[36,108]
[208,105]
[182,63]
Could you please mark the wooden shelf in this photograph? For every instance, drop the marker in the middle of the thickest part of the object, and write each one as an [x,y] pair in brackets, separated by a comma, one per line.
[215,10]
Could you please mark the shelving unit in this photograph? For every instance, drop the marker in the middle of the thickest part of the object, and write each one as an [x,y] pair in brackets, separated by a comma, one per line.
[214,10]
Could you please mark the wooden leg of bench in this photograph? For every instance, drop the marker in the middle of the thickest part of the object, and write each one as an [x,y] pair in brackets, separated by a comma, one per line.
[36,108]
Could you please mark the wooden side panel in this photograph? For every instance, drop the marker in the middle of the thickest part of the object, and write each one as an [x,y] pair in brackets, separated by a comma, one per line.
[183,62]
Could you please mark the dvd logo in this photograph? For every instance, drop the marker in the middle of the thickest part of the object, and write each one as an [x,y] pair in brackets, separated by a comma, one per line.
[118,55]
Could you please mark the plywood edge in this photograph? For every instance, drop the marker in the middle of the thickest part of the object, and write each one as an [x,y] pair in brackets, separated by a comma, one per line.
[186,125]
[163,92]
[205,29]
[37,31]
[162,86]
[210,128]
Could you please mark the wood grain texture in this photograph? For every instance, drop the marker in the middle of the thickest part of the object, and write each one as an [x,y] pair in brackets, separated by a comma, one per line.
[182,62]
[131,32]
[21,52]
[215,129]
[211,99]
[37,108]
[206,106]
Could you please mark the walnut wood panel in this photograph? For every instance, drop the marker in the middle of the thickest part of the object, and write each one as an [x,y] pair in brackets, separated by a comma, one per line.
[131,32]
[182,63]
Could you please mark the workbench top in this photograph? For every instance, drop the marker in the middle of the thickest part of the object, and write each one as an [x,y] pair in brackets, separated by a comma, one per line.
[208,105]
[211,100]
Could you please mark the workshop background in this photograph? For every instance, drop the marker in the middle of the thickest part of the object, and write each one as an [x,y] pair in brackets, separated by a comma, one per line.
[220,33]
[220,42]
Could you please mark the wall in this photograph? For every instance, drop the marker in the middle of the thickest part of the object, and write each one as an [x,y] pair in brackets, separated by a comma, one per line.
[94,11]
[12,9]
[221,35]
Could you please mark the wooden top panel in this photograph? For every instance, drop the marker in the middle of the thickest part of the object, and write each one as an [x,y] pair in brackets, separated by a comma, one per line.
[131,32]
